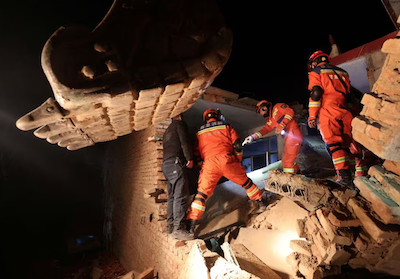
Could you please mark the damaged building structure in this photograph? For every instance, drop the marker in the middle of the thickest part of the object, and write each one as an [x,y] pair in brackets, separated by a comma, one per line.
[312,230]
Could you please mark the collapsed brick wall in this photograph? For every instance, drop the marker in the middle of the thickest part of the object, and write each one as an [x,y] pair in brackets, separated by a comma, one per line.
[362,231]
[135,205]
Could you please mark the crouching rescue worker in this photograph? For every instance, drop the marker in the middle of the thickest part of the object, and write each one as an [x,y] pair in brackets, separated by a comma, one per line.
[280,117]
[330,87]
[220,149]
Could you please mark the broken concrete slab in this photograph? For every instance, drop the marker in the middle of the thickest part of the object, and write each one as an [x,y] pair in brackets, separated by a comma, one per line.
[250,263]
[309,192]
[284,214]
[270,246]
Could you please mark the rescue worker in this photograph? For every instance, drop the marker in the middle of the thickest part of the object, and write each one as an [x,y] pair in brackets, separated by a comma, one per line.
[330,87]
[220,149]
[280,117]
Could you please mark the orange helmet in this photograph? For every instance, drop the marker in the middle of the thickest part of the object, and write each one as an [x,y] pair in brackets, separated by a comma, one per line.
[263,103]
[211,113]
[317,57]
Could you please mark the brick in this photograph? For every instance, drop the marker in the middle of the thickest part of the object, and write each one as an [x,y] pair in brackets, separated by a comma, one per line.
[359,124]
[336,255]
[371,101]
[300,228]
[331,230]
[309,268]
[374,228]
[386,208]
[392,166]
[390,183]
[301,247]
[356,263]
[391,46]
[390,263]
[340,220]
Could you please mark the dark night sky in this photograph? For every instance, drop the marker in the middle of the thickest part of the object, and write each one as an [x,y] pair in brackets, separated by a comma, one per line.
[45,189]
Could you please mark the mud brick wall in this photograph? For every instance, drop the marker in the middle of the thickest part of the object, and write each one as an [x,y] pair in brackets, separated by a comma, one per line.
[135,205]
[378,128]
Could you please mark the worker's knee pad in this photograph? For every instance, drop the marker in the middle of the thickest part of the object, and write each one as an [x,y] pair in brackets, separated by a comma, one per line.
[334,147]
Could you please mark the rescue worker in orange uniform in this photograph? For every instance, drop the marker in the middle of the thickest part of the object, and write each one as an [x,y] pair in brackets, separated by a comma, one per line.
[280,117]
[330,86]
[220,149]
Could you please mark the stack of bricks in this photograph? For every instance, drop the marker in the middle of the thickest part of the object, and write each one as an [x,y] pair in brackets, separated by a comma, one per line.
[359,230]
[378,126]
[135,205]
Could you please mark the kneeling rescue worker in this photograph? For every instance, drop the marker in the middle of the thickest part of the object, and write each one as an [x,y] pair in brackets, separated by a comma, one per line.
[280,117]
[219,146]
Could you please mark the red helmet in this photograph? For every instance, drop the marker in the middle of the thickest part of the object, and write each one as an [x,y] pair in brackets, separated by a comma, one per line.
[317,57]
[263,103]
[211,113]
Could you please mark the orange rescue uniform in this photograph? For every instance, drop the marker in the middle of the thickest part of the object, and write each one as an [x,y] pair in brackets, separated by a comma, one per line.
[333,116]
[215,145]
[281,118]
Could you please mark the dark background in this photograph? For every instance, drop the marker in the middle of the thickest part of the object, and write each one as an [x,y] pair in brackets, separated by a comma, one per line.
[50,194]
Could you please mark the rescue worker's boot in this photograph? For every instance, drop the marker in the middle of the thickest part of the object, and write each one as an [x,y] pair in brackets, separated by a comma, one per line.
[182,233]
[170,228]
[345,178]
[192,226]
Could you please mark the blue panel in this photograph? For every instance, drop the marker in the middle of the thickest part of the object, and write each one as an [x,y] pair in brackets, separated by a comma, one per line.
[273,144]
[246,163]
[256,148]
[273,158]
[357,70]
[259,162]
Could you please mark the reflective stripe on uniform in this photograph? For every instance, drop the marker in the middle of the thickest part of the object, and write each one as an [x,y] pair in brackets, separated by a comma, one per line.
[340,160]
[363,168]
[220,127]
[288,117]
[290,170]
[198,206]
[314,104]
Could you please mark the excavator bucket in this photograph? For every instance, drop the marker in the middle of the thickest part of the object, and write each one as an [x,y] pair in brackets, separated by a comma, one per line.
[147,60]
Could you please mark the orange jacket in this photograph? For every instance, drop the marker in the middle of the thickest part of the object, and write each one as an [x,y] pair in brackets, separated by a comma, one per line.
[215,138]
[334,92]
[281,117]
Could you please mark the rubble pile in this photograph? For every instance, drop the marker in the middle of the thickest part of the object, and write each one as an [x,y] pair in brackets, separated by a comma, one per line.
[236,262]
[361,230]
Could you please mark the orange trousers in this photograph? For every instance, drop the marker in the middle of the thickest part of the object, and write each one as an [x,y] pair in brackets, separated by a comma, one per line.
[335,128]
[212,170]
[293,140]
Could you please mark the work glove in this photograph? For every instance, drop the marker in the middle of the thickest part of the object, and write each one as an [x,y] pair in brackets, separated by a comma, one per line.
[189,164]
[279,129]
[312,122]
[247,140]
